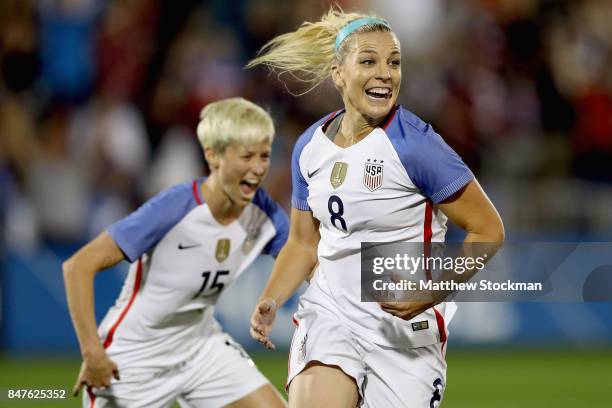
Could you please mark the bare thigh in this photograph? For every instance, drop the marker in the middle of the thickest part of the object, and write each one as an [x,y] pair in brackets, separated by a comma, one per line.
[265,396]
[320,385]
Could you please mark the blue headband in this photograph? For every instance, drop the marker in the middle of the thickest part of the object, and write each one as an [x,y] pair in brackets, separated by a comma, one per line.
[354,25]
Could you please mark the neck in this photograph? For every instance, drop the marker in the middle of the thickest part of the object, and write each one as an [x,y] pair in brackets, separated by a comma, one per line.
[356,126]
[223,209]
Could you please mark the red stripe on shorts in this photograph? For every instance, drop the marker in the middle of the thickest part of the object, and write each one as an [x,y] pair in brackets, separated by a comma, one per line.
[92,398]
[441,327]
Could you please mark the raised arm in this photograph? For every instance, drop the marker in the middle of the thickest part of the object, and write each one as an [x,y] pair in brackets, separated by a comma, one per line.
[293,266]
[79,272]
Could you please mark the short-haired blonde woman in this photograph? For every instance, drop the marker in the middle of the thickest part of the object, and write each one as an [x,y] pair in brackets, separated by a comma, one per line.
[160,343]
[371,171]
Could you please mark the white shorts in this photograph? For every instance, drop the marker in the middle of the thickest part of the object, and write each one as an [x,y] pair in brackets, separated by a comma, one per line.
[221,373]
[386,377]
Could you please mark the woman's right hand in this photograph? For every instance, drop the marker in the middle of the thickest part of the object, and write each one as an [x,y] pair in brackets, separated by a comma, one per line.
[79,271]
[97,370]
[262,320]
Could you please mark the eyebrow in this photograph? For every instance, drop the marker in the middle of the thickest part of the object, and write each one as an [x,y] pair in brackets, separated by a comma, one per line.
[372,51]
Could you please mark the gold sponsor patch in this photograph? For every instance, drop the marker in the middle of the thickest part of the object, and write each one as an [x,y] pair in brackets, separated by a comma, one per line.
[223,249]
[338,174]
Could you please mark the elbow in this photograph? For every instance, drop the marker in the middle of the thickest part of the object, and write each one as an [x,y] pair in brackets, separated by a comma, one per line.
[498,235]
[491,232]
[500,230]
[68,268]
[495,235]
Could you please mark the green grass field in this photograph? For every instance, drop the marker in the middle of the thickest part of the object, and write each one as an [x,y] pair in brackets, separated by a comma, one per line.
[475,379]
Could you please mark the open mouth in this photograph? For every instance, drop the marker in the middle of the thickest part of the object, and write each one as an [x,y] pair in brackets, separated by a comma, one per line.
[248,187]
[379,93]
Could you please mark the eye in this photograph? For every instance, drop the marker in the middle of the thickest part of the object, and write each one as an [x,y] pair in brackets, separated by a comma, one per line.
[396,63]
[367,62]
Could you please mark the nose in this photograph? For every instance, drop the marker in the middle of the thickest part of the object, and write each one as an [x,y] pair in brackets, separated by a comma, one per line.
[383,72]
[260,167]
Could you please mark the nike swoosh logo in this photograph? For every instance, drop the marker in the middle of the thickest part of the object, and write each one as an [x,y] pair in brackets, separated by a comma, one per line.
[310,175]
[181,246]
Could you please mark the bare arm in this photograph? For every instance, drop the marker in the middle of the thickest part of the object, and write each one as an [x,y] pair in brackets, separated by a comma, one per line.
[293,266]
[296,260]
[79,272]
[470,209]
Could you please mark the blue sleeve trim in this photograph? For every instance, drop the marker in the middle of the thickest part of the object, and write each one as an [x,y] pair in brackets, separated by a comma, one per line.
[300,204]
[144,228]
[436,169]
[279,219]
[453,187]
[122,242]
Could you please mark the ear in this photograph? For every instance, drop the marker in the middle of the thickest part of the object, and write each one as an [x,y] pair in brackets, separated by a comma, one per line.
[337,75]
[212,158]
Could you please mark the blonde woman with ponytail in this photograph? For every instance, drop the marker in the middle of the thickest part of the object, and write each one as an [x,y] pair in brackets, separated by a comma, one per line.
[370,172]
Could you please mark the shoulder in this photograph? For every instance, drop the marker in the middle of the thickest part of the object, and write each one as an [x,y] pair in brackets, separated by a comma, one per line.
[266,203]
[180,190]
[413,139]
[184,196]
[145,227]
[306,137]
[263,200]
[407,127]
[271,208]
[171,205]
[433,166]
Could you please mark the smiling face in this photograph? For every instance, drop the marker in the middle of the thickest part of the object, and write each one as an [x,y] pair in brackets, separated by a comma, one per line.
[240,169]
[369,78]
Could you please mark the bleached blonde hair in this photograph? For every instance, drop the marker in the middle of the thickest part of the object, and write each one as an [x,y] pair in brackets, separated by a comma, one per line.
[233,120]
[308,53]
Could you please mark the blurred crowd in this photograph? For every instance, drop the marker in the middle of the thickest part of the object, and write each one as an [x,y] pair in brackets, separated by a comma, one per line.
[99,101]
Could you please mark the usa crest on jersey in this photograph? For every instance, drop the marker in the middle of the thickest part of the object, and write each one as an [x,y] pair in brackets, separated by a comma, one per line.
[373,174]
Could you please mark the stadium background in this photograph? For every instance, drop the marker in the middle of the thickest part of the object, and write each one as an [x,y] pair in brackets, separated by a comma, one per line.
[98,106]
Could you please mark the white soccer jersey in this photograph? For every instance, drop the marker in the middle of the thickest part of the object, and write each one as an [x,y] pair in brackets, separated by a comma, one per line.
[381,189]
[182,261]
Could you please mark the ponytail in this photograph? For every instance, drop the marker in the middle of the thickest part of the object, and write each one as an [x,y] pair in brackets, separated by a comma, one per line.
[308,53]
